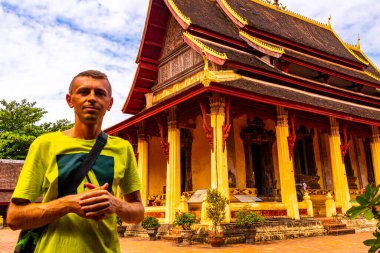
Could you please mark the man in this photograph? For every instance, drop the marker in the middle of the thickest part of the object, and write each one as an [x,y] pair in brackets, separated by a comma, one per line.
[86,221]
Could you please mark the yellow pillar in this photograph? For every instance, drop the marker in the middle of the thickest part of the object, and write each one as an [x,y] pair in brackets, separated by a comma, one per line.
[375,149]
[285,164]
[341,191]
[219,168]
[173,179]
[143,156]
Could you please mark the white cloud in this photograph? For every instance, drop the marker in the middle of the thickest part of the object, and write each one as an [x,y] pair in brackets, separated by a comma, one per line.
[44,43]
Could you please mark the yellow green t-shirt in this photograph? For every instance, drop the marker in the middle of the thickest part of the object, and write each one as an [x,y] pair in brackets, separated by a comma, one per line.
[48,168]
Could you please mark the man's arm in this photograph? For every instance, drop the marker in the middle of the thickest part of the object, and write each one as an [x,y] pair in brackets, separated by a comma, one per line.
[25,215]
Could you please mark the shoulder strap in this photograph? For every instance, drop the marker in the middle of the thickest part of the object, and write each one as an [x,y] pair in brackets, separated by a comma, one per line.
[101,141]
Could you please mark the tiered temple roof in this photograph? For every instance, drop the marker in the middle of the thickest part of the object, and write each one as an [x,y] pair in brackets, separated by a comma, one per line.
[278,55]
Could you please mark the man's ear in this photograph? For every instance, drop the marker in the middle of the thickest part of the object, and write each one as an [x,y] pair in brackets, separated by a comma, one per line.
[110,105]
[69,101]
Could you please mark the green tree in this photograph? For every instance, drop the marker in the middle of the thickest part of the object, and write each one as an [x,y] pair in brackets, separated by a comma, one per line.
[368,205]
[18,127]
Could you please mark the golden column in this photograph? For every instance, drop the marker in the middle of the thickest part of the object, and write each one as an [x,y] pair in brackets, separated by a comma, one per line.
[173,177]
[375,149]
[341,191]
[219,168]
[285,164]
[143,156]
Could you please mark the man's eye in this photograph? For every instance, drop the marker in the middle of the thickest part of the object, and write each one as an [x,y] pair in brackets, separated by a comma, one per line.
[101,94]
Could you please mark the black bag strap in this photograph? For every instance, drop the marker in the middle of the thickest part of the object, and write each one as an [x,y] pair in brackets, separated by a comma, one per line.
[90,159]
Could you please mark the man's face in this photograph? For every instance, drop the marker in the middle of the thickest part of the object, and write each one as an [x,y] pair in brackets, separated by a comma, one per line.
[90,98]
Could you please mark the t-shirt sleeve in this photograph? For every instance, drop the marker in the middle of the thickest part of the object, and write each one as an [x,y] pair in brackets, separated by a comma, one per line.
[131,181]
[29,184]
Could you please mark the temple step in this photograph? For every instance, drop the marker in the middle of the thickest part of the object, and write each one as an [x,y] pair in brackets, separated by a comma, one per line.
[341,231]
[334,226]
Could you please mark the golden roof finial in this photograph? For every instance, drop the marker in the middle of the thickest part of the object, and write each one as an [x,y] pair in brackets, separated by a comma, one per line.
[329,21]
[276,3]
[358,43]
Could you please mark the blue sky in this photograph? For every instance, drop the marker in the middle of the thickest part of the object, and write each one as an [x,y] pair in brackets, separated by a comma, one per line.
[44,43]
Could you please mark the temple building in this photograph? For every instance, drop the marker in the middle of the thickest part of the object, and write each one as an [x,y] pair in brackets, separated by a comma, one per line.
[254,100]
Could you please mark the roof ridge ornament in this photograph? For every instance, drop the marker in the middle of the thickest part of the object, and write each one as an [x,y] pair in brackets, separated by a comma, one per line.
[186,20]
[350,50]
[329,21]
[233,14]
[276,3]
[358,42]
[261,43]
[205,48]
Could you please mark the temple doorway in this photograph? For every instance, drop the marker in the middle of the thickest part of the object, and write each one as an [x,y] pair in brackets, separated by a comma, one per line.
[259,165]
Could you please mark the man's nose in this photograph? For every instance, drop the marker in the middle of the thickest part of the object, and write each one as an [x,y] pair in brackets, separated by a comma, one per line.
[92,96]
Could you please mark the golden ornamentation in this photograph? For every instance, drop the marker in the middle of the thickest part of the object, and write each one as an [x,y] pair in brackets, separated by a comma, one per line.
[261,43]
[275,3]
[234,13]
[205,48]
[372,75]
[179,13]
[349,49]
[204,77]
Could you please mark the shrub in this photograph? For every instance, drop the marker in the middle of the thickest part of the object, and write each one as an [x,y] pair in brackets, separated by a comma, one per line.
[150,222]
[246,218]
[185,220]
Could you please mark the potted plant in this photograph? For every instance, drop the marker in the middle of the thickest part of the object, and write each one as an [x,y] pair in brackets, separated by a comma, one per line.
[185,220]
[245,219]
[216,212]
[120,228]
[151,225]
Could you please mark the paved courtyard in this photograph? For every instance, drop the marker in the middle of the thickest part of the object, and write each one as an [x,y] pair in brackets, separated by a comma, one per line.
[324,244]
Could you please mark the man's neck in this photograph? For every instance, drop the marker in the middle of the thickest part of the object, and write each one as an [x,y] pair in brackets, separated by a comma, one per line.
[83,132]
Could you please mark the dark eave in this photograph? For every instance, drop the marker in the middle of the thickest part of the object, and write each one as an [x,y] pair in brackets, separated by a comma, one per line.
[343,72]
[299,100]
[249,63]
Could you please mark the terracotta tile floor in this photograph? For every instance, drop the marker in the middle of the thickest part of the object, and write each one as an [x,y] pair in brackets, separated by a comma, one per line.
[324,244]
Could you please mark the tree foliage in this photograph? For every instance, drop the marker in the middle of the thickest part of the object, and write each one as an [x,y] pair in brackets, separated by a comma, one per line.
[216,207]
[368,205]
[18,127]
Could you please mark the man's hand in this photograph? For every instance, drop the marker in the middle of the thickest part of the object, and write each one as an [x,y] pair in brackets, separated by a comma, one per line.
[98,202]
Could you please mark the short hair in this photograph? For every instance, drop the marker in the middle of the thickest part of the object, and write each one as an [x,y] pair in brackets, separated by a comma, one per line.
[93,74]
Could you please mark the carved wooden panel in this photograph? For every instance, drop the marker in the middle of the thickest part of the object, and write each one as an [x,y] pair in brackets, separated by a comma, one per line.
[178,64]
[173,37]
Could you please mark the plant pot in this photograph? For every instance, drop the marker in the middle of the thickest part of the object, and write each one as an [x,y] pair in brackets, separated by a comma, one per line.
[216,241]
[250,236]
[152,232]
[186,235]
[121,230]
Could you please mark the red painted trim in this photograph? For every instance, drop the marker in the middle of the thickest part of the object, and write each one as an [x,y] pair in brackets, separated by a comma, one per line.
[330,72]
[298,46]
[152,43]
[179,20]
[197,30]
[198,89]
[301,83]
[148,16]
[199,50]
[292,105]
[232,18]
[126,104]
[148,60]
